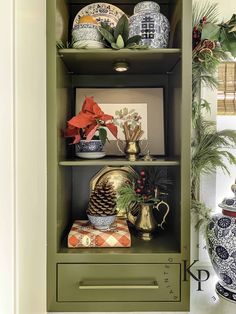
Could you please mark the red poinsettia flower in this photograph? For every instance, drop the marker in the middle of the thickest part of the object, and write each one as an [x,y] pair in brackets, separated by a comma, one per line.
[88,121]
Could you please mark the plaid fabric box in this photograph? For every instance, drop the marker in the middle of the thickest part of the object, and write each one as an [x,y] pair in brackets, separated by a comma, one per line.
[83,234]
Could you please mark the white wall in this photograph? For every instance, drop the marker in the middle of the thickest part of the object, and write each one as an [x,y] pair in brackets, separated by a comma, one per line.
[223,180]
[23,157]
[30,152]
[7,197]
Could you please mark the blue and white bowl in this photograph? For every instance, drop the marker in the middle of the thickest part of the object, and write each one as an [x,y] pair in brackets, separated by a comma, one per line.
[90,146]
[102,222]
[86,31]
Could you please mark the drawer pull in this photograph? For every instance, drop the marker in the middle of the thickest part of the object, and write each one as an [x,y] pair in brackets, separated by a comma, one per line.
[86,285]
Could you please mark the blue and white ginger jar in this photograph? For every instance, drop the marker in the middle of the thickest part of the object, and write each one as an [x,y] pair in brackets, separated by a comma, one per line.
[149,23]
[221,244]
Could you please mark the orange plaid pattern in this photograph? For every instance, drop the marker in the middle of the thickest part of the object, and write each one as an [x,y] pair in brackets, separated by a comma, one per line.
[83,234]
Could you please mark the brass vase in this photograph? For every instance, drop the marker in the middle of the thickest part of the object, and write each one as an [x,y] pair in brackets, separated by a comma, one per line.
[145,222]
[131,149]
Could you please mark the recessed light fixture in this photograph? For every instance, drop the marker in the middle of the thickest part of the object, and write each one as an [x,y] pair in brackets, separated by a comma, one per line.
[121,66]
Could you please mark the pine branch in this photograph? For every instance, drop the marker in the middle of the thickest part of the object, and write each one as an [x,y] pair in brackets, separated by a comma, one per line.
[203,214]
[203,8]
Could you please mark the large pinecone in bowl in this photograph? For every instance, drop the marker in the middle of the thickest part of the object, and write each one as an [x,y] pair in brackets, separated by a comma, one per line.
[102,200]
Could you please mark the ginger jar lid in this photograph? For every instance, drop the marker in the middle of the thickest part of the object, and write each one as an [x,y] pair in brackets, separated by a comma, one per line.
[146,6]
[229,203]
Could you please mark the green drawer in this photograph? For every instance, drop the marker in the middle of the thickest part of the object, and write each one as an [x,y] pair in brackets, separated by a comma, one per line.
[118,282]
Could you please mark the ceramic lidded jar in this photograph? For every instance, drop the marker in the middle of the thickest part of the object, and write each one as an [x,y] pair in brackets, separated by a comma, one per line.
[149,23]
[221,244]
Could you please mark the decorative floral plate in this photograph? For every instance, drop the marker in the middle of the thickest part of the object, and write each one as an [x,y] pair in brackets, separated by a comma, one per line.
[102,12]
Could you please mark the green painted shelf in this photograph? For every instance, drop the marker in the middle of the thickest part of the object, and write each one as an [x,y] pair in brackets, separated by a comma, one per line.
[101,61]
[120,2]
[117,162]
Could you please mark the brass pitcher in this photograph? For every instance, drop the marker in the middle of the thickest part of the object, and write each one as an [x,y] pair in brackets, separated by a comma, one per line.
[145,222]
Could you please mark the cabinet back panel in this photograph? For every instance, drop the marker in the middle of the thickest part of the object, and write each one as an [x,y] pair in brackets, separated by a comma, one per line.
[81,177]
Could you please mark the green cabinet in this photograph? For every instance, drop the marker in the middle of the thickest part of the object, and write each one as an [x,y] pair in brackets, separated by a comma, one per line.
[148,276]
[123,282]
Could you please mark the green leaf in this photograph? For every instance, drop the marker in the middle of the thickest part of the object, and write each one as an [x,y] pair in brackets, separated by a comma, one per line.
[120,42]
[114,46]
[232,21]
[210,31]
[102,135]
[130,46]
[108,36]
[135,46]
[107,27]
[228,41]
[122,28]
[134,39]
[233,29]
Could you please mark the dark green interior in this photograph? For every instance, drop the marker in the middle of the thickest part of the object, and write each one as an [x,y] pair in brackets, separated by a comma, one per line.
[77,178]
[166,7]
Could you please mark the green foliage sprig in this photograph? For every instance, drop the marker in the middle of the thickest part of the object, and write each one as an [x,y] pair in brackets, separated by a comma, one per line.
[211,42]
[149,186]
[127,196]
[224,33]
[118,37]
[205,26]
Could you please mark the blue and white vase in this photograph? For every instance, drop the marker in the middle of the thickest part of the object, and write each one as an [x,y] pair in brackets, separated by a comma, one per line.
[149,23]
[221,244]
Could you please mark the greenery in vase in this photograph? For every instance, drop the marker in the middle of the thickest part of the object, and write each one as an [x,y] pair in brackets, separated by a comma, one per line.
[89,122]
[118,37]
[149,186]
[209,147]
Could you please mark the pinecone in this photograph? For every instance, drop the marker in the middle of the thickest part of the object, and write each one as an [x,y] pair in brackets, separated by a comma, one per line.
[102,200]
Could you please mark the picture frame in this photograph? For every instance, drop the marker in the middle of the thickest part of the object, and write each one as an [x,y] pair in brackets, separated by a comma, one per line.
[148,102]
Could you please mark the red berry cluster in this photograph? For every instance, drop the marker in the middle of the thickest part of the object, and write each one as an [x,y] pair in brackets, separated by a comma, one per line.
[143,186]
[196,36]
[197,31]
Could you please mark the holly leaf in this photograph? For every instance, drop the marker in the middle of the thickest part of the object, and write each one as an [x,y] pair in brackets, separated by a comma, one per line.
[102,135]
[122,28]
[107,35]
[210,31]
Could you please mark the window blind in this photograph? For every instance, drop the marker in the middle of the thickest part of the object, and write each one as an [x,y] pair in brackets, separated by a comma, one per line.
[226,95]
